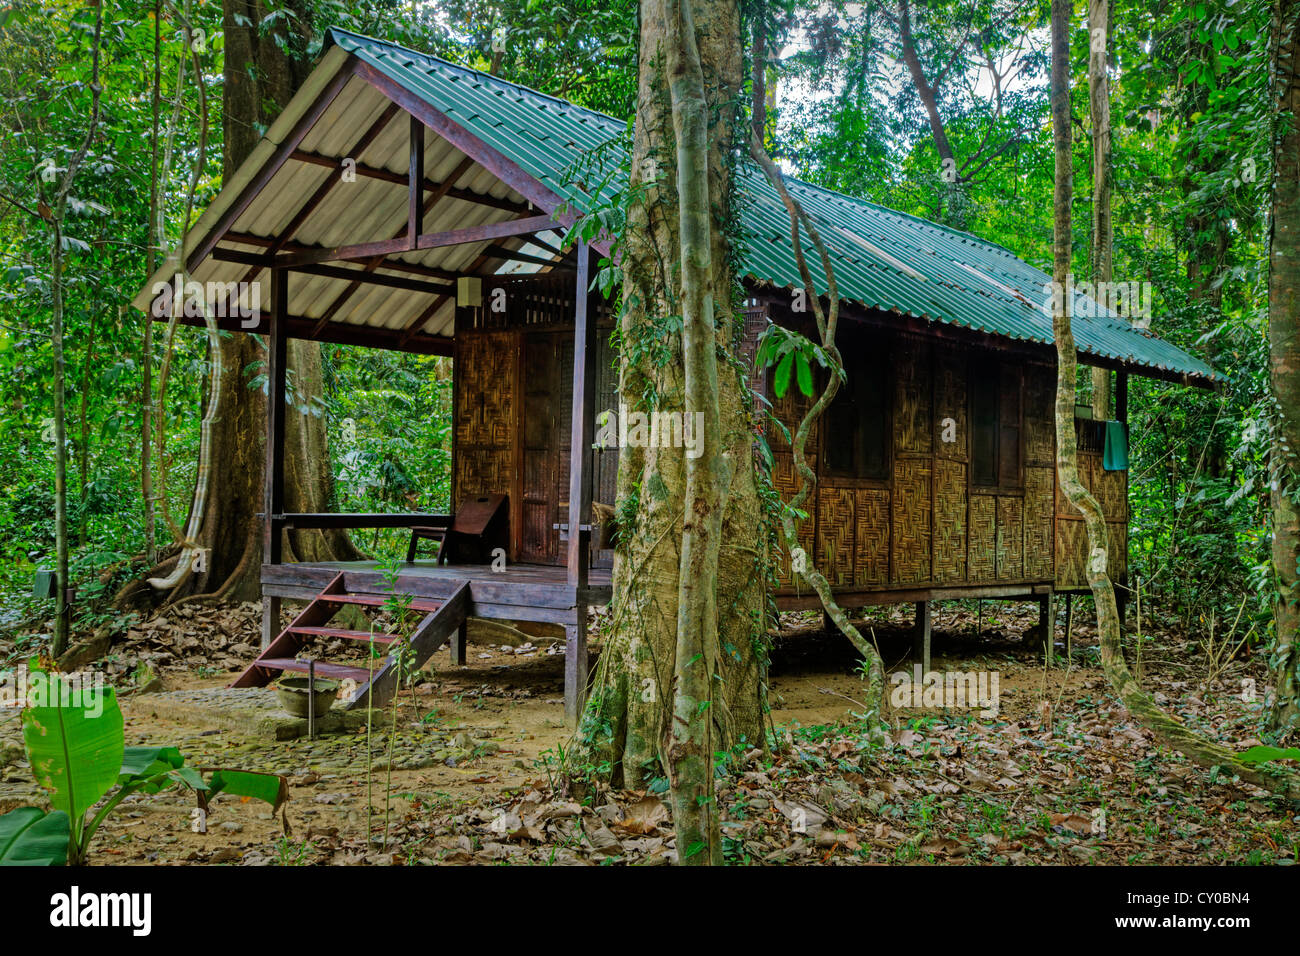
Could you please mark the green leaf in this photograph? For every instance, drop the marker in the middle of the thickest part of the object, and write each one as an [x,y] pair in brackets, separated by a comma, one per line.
[805,374]
[268,787]
[781,383]
[143,762]
[32,837]
[76,752]
[1261,754]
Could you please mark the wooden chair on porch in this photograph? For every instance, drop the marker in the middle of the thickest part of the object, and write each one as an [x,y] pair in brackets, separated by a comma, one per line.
[470,529]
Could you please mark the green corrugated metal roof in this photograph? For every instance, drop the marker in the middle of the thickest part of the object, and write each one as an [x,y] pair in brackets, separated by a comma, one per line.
[883,259]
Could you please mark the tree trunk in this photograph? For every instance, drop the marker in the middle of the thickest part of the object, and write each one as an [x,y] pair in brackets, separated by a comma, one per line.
[627,727]
[1102,228]
[260,77]
[1284,368]
[690,753]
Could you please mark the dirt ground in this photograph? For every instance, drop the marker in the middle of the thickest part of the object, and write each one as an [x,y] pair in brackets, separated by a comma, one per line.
[1058,775]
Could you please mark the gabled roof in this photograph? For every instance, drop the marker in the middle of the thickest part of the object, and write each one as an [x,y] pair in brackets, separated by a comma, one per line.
[541,152]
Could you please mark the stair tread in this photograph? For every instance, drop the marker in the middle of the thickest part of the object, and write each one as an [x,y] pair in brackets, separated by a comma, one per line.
[323,668]
[379,638]
[377,600]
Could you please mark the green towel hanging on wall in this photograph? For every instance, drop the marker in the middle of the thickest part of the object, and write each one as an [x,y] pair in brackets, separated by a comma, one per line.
[1115,456]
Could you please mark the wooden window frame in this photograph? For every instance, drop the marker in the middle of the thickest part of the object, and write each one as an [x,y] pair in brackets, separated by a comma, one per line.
[885,346]
[977,371]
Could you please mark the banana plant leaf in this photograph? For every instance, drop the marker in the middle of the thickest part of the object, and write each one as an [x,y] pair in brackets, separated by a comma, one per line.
[32,837]
[76,752]
[268,787]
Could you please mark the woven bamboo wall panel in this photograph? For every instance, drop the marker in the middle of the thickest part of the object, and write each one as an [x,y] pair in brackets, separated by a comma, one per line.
[1040,415]
[1118,550]
[1039,548]
[1071,551]
[871,554]
[481,471]
[950,401]
[484,414]
[1110,488]
[983,539]
[911,521]
[913,377]
[485,391]
[1011,541]
[949,521]
[790,409]
[835,534]
[783,474]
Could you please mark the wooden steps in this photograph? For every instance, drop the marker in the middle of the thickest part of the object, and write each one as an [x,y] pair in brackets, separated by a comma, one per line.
[364,637]
[374,685]
[323,668]
[378,600]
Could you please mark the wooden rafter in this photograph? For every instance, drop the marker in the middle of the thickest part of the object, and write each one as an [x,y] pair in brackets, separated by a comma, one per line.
[400,179]
[433,240]
[430,201]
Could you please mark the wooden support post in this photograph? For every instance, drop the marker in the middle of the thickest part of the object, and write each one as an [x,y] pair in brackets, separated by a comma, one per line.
[1047,624]
[583,428]
[276,361]
[270,619]
[459,639]
[575,668]
[1069,626]
[415,184]
[921,636]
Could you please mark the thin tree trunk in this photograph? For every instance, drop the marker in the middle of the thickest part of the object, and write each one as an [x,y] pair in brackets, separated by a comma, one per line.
[826,326]
[62,619]
[1102,228]
[151,263]
[1284,368]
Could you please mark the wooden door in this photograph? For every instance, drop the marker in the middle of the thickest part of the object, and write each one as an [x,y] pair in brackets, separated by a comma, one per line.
[541,450]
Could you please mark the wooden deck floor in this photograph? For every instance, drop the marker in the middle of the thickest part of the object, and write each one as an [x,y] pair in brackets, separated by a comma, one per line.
[521,592]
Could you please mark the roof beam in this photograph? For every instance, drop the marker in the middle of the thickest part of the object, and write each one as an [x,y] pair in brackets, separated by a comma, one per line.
[435,240]
[338,272]
[400,179]
[377,261]
[339,333]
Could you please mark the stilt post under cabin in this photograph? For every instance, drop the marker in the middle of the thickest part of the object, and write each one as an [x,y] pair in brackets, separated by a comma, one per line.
[273,483]
[459,641]
[921,636]
[1047,624]
[580,470]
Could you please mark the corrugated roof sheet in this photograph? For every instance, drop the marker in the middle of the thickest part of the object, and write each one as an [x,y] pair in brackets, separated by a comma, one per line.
[883,259]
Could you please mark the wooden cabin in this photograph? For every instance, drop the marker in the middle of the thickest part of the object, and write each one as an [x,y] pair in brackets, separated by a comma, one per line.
[404,202]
